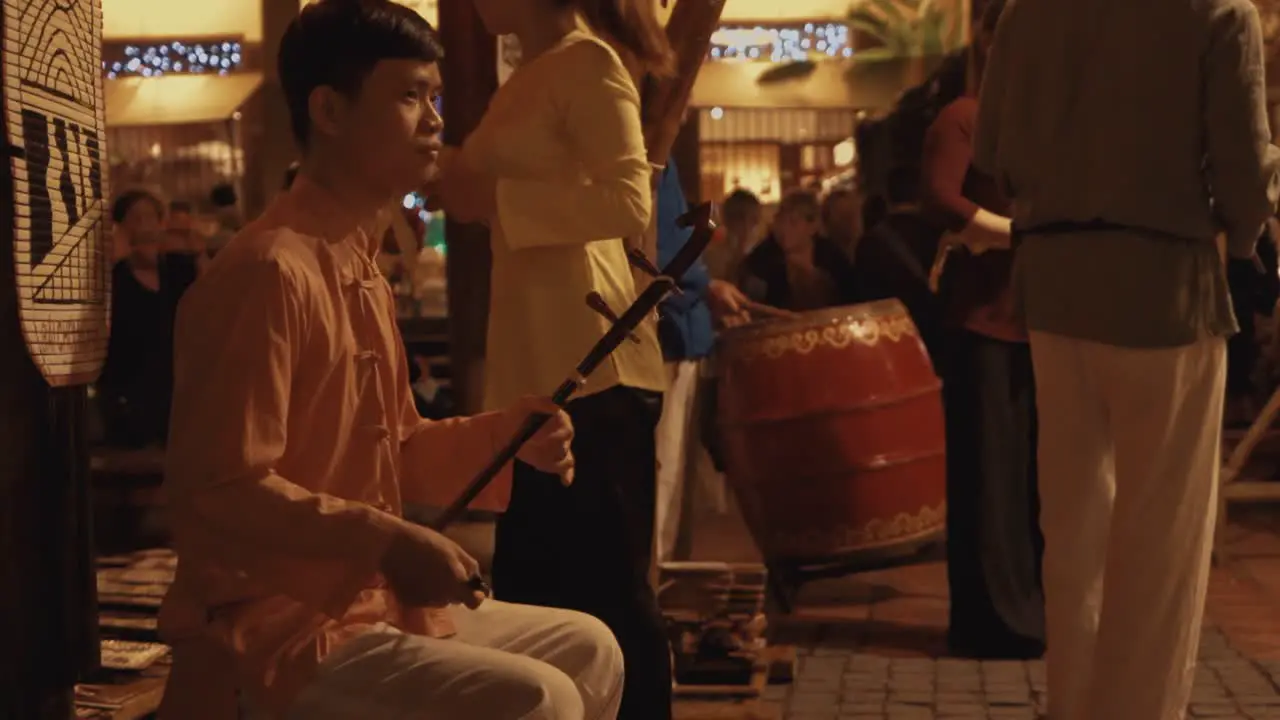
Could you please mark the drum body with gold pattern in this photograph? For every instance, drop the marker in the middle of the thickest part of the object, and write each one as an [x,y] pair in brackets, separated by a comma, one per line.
[833,434]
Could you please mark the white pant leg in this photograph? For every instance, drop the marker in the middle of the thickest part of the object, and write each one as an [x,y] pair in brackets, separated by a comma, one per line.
[673,435]
[578,645]
[1166,409]
[507,662]
[712,492]
[1077,487]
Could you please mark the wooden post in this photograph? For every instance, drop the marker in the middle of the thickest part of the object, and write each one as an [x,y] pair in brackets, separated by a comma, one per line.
[687,152]
[48,594]
[470,77]
[269,144]
[48,601]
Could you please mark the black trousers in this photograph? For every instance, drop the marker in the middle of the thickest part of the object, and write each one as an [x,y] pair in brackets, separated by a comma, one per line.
[994,544]
[588,547]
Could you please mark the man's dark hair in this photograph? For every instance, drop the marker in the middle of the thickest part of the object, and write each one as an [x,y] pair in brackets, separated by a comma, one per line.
[223,195]
[738,204]
[991,11]
[801,203]
[337,43]
[874,209]
[127,199]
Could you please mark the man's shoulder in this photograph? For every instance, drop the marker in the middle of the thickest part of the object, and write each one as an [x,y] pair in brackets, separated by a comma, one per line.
[264,242]
[260,256]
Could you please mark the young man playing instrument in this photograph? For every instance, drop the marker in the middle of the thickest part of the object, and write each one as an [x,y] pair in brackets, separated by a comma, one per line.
[295,442]
[1127,134]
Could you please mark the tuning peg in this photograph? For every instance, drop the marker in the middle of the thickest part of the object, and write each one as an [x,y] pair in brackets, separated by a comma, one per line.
[597,303]
[636,257]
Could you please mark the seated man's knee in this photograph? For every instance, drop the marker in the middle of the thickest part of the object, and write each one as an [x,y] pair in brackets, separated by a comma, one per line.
[591,656]
[540,692]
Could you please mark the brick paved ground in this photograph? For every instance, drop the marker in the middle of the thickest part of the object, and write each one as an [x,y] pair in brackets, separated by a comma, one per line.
[838,684]
[872,645]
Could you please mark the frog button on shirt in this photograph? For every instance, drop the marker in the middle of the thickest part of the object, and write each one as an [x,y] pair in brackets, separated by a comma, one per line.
[294,442]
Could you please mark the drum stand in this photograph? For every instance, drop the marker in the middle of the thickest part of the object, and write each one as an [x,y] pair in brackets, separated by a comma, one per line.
[788,576]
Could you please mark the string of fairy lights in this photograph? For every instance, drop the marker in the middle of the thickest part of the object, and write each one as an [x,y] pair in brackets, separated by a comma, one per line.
[730,43]
[768,43]
[213,57]
[782,43]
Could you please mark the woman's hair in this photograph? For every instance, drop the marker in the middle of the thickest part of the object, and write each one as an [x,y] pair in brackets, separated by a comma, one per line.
[991,11]
[223,195]
[874,209]
[738,204]
[633,26]
[337,43]
[127,199]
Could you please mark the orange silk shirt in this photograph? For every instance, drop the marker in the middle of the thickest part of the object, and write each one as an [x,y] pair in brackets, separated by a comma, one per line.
[294,443]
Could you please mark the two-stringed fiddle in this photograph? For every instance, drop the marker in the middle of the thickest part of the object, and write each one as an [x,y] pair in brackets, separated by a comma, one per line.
[665,282]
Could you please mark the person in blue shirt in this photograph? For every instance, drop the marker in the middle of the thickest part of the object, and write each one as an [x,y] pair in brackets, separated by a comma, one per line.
[685,328]
[686,333]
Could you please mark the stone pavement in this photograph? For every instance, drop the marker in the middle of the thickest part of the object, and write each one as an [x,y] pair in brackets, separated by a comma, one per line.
[853,685]
[872,645]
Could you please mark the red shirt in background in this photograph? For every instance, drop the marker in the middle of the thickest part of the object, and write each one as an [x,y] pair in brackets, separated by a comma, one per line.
[979,297]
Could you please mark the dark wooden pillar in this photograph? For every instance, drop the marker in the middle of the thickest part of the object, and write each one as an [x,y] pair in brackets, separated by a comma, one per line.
[470,78]
[269,141]
[48,603]
[687,154]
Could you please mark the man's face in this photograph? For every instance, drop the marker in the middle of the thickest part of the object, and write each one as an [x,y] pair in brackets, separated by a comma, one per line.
[145,247]
[742,225]
[391,129]
[143,227]
[143,218]
[795,228]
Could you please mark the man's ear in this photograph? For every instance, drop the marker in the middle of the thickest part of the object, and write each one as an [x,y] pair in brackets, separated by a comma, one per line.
[328,110]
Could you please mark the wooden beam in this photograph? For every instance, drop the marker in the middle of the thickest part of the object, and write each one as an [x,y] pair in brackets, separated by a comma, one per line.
[470,78]
[687,152]
[268,139]
[48,602]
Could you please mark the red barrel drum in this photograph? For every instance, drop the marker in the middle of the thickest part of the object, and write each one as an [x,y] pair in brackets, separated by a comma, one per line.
[833,434]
